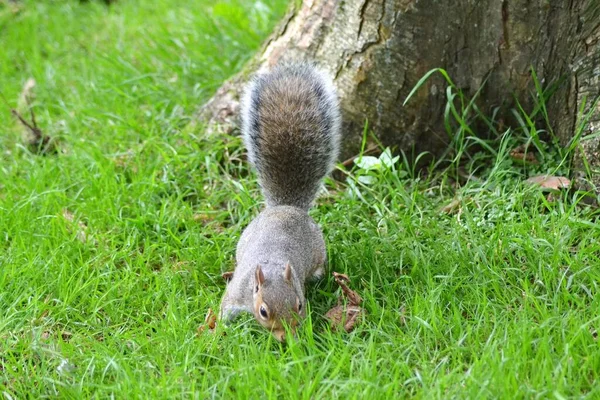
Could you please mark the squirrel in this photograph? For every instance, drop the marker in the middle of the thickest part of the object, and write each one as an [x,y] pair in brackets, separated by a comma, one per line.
[291,130]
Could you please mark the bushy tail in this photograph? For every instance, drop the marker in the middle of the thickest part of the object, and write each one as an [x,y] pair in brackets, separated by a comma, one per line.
[291,128]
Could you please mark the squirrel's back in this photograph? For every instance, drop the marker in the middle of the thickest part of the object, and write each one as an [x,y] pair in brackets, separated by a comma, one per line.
[291,128]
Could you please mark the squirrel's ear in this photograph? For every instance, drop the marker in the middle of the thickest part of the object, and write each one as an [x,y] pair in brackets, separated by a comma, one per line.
[260,277]
[287,274]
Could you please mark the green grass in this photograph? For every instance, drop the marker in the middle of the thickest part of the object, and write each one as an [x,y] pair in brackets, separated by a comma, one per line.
[499,299]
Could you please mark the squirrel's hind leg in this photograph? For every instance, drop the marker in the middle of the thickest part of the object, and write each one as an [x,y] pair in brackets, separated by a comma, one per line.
[320,260]
[319,253]
[319,272]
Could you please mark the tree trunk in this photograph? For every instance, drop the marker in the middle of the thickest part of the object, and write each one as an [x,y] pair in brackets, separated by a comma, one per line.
[377,50]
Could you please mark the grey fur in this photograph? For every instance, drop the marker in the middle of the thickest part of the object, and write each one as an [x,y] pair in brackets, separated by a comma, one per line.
[291,128]
[278,235]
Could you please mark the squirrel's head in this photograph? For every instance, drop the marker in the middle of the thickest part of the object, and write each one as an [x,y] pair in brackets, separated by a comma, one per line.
[277,300]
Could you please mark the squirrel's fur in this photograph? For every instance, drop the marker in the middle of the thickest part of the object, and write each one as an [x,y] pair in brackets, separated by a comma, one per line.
[290,125]
[291,128]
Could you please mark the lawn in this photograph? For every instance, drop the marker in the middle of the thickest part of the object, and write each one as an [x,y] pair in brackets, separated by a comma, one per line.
[112,249]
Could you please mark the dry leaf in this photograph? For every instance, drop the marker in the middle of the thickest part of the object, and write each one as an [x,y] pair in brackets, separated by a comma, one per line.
[26,94]
[210,322]
[452,207]
[209,219]
[523,155]
[124,161]
[36,140]
[343,281]
[403,315]
[552,197]
[12,7]
[345,316]
[181,266]
[549,182]
[69,216]
[203,217]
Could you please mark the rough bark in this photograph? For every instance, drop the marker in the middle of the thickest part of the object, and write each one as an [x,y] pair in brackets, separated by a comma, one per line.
[585,88]
[379,49]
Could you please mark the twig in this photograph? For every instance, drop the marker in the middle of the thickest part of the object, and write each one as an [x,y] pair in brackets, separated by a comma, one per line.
[369,150]
[40,142]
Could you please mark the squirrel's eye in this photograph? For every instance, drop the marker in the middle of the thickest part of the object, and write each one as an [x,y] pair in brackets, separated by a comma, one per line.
[256,289]
[263,312]
[299,306]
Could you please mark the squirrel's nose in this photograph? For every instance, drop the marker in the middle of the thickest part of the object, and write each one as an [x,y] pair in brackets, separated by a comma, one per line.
[280,334]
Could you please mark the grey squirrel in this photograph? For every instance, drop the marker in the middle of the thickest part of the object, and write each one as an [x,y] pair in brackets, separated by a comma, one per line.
[291,129]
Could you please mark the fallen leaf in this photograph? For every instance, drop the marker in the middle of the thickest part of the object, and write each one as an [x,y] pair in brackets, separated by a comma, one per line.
[203,217]
[403,315]
[523,155]
[81,231]
[549,182]
[343,281]
[180,265]
[124,161]
[36,140]
[12,7]
[552,197]
[26,93]
[210,322]
[452,207]
[44,314]
[345,316]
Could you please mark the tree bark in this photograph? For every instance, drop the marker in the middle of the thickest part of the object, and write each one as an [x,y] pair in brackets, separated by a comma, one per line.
[377,50]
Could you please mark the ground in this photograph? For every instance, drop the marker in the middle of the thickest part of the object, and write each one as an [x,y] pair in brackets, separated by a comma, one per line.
[112,249]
